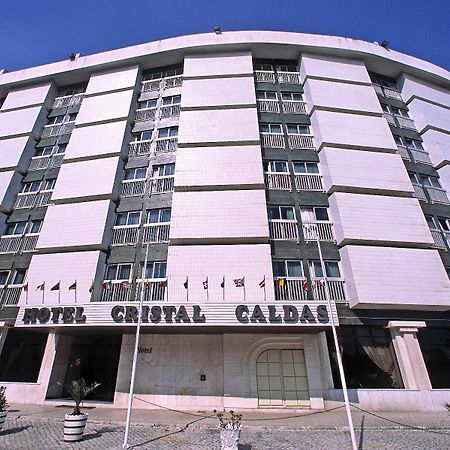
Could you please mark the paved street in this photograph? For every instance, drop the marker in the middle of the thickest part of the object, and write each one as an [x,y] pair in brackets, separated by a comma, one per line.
[42,429]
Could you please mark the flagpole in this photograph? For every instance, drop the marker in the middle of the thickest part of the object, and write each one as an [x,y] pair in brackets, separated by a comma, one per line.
[43,293]
[76,287]
[207,289]
[223,289]
[59,291]
[136,344]
[336,344]
[264,287]
[244,287]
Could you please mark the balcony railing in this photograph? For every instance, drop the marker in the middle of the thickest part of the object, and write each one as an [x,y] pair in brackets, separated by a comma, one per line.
[437,195]
[283,229]
[25,200]
[272,140]
[300,141]
[171,82]
[156,232]
[405,122]
[165,145]
[280,181]
[289,289]
[10,243]
[159,185]
[403,152]
[155,289]
[132,188]
[390,118]
[438,238]
[419,192]
[288,77]
[124,235]
[57,129]
[271,106]
[392,93]
[308,182]
[10,294]
[67,100]
[29,242]
[139,147]
[294,107]
[336,288]
[322,231]
[116,291]
[151,85]
[39,162]
[145,114]
[170,111]
[265,76]
[420,156]
[43,198]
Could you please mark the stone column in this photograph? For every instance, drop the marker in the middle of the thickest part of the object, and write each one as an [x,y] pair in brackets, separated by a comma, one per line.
[409,355]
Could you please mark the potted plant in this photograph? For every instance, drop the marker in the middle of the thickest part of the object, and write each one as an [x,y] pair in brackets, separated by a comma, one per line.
[230,430]
[75,422]
[3,406]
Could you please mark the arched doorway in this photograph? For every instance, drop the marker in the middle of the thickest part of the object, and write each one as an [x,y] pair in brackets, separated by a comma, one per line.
[281,378]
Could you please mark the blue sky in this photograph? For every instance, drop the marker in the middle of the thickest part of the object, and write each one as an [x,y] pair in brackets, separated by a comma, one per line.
[41,31]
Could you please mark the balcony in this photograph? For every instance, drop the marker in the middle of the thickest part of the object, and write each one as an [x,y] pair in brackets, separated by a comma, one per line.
[144,114]
[156,232]
[10,295]
[272,140]
[301,141]
[308,182]
[137,148]
[420,156]
[392,93]
[280,229]
[291,289]
[336,287]
[270,106]
[166,145]
[124,235]
[151,85]
[322,231]
[294,107]
[437,195]
[43,198]
[132,188]
[115,291]
[160,185]
[25,200]
[29,242]
[44,162]
[403,152]
[172,82]
[419,192]
[155,289]
[67,100]
[280,181]
[405,122]
[265,76]
[170,111]
[390,119]
[57,129]
[10,243]
[438,238]
[288,77]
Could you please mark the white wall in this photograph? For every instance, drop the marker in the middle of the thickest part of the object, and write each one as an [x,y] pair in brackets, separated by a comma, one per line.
[231,63]
[15,153]
[22,121]
[437,144]
[9,186]
[29,96]
[112,80]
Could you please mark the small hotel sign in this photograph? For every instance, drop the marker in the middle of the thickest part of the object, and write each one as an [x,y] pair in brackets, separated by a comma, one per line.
[311,313]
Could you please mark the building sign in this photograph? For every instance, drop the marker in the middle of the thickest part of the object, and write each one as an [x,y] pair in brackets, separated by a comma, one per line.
[311,313]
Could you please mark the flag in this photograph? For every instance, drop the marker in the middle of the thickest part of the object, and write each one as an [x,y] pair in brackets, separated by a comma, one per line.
[73,286]
[91,288]
[125,285]
[41,287]
[105,284]
[262,283]
[205,283]
[222,285]
[321,282]
[186,283]
[281,280]
[162,283]
[305,285]
[239,282]
[55,287]
[25,287]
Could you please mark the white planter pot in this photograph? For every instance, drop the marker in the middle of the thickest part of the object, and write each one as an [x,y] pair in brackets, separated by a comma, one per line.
[229,439]
[3,415]
[74,427]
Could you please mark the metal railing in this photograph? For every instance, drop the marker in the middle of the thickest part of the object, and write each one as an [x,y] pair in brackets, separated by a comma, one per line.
[25,200]
[281,181]
[289,289]
[124,235]
[308,182]
[139,147]
[405,122]
[272,140]
[57,129]
[294,107]
[280,229]
[170,111]
[29,242]
[67,100]
[10,295]
[145,114]
[336,288]
[288,77]
[39,162]
[438,238]
[271,106]
[300,141]
[378,89]
[154,289]
[151,85]
[265,76]
[318,230]
[390,118]
[132,188]
[159,185]
[116,291]
[437,195]
[56,160]
[165,145]
[421,156]
[10,243]
[175,81]
[403,152]
[156,232]
[419,192]
[392,93]
[43,198]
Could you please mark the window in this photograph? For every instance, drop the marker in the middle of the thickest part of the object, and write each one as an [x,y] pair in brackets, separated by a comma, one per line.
[413,177]
[431,222]
[167,132]
[163,170]
[19,276]
[155,270]
[331,268]
[173,72]
[118,272]
[398,140]
[172,100]
[159,215]
[56,120]
[128,218]
[4,277]
[266,95]
[288,268]
[292,96]
[276,166]
[305,167]
[49,184]
[281,212]
[385,108]
[143,136]
[430,181]
[148,104]
[287,68]
[444,224]
[400,112]
[35,226]
[270,128]
[413,144]
[297,129]
[137,173]
[266,67]
[314,214]
[15,228]
[44,151]
[31,187]
[60,148]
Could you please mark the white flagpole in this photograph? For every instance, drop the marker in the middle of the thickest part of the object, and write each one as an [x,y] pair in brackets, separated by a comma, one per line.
[336,344]
[136,345]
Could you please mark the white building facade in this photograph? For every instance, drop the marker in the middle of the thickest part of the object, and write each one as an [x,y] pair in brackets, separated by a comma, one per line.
[228,163]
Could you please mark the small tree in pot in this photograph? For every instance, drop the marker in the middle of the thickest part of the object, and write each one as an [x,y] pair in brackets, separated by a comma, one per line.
[3,406]
[230,430]
[75,422]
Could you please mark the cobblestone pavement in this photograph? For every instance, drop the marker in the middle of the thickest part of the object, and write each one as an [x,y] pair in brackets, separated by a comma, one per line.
[34,433]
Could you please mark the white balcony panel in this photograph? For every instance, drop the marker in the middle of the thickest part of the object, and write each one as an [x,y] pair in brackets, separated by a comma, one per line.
[272,106]
[412,86]
[156,232]
[111,80]
[9,186]
[283,230]
[105,107]
[29,96]
[65,268]
[437,144]
[353,170]
[104,139]
[219,214]
[438,195]
[308,182]
[132,188]
[230,63]
[76,225]
[353,130]
[427,114]
[125,235]
[86,180]
[22,121]
[349,70]
[210,126]
[218,91]
[16,152]
[405,278]
[378,219]
[278,181]
[219,166]
[444,174]
[215,262]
